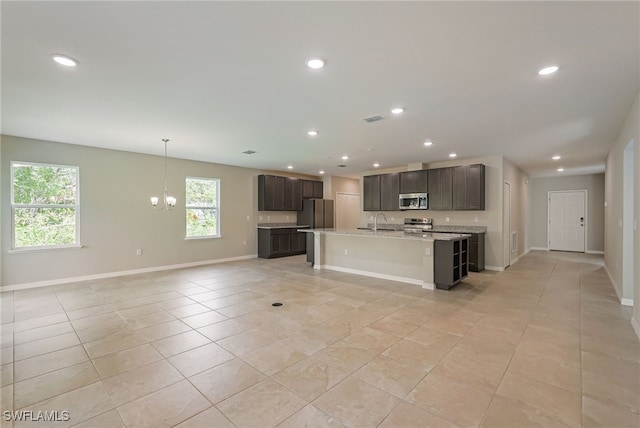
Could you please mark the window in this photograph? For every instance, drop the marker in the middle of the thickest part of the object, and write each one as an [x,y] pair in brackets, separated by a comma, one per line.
[203,203]
[44,205]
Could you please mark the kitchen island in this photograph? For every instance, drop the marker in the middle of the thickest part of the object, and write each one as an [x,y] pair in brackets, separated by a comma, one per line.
[392,255]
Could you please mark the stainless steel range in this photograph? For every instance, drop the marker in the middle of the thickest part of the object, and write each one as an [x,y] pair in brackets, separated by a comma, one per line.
[418,225]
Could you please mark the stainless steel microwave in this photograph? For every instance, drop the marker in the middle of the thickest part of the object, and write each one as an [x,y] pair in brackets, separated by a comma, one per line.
[413,201]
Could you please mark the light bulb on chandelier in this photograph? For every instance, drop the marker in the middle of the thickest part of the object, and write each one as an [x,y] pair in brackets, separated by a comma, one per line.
[168,202]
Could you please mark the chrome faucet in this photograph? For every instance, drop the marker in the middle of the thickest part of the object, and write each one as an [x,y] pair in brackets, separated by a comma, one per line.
[375,220]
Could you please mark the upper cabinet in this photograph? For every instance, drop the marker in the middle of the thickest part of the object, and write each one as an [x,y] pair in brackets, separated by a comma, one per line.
[414,181]
[293,194]
[312,189]
[453,188]
[389,191]
[271,190]
[285,193]
[381,192]
[469,187]
[440,187]
[371,185]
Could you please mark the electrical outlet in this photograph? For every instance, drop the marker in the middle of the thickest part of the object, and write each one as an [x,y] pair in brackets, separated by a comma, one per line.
[475,219]
[346,251]
[244,243]
[427,251]
[250,217]
[138,252]
[287,218]
[260,218]
[371,218]
[446,219]
[392,218]
[268,217]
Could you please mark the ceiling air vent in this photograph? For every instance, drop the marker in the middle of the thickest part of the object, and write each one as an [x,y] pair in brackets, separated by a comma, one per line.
[372,119]
[249,152]
[341,166]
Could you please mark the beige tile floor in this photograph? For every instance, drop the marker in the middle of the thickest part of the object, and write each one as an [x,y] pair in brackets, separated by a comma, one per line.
[544,344]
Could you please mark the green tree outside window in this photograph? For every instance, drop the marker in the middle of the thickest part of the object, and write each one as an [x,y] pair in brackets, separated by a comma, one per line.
[44,205]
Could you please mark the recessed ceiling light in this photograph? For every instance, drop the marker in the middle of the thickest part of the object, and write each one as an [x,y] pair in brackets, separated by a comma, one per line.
[453,155]
[556,157]
[345,157]
[315,63]
[376,165]
[560,169]
[428,143]
[321,172]
[312,133]
[548,70]
[397,110]
[290,166]
[64,60]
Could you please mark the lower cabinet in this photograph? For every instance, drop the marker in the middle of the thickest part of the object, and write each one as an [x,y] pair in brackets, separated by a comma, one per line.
[280,242]
[450,263]
[476,252]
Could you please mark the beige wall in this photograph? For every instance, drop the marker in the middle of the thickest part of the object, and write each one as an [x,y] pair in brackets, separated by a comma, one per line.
[340,185]
[613,212]
[117,219]
[592,183]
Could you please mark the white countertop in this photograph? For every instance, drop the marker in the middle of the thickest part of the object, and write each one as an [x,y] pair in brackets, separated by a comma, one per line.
[430,236]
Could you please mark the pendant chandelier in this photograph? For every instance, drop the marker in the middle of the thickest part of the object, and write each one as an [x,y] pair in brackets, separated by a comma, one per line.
[168,202]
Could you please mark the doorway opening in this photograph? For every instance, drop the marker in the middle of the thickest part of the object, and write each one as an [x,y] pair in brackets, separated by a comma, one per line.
[347,210]
[628,200]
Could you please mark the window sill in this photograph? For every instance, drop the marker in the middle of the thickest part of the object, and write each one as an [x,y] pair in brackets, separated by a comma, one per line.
[38,250]
[197,238]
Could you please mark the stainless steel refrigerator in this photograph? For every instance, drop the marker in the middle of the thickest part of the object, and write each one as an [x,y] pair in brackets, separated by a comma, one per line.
[317,214]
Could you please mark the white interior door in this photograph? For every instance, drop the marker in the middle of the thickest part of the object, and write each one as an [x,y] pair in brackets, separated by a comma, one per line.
[567,220]
[347,210]
[506,225]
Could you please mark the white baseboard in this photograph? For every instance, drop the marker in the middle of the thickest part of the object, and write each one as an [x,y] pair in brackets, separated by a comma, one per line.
[519,257]
[613,282]
[539,248]
[413,281]
[626,302]
[594,252]
[68,280]
[494,268]
[636,326]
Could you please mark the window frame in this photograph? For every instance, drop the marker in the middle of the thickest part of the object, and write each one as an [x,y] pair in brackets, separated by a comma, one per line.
[75,207]
[215,209]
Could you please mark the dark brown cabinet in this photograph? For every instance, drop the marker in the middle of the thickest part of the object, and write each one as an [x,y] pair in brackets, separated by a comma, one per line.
[453,188]
[293,194]
[371,187]
[312,189]
[277,193]
[271,193]
[381,192]
[476,252]
[282,242]
[469,187]
[414,181]
[450,262]
[389,191]
[440,185]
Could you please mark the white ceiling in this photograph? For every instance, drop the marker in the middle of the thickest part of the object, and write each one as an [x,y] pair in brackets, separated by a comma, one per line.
[218,78]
